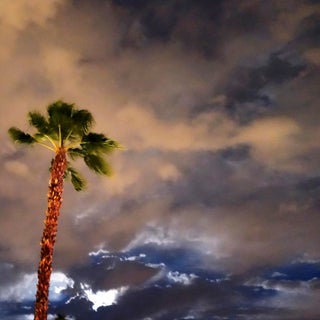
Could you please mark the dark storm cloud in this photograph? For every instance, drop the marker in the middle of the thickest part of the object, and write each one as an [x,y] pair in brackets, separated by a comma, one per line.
[212,179]
[162,302]
[192,24]
[248,82]
[198,184]
[309,185]
[203,26]
[236,153]
[186,23]
[8,273]
[308,35]
[151,107]
[308,190]
[251,294]
[112,272]
[245,97]
[165,302]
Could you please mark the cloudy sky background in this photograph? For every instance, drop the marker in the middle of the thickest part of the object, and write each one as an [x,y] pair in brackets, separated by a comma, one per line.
[213,211]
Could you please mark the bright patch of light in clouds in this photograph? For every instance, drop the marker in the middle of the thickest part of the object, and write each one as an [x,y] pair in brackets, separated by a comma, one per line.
[102,298]
[25,289]
[278,274]
[134,258]
[98,252]
[183,278]
[151,234]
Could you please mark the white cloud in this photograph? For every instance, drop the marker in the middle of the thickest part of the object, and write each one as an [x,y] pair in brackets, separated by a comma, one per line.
[135,258]
[99,252]
[278,274]
[211,248]
[152,235]
[182,278]
[25,288]
[102,298]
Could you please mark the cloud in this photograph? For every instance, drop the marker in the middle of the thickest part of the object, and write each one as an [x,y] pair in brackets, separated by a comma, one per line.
[217,106]
[296,297]
[182,278]
[59,65]
[152,132]
[313,55]
[102,298]
[17,168]
[25,288]
[273,140]
[19,14]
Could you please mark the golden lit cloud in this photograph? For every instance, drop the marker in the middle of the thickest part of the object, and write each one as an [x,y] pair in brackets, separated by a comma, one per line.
[18,14]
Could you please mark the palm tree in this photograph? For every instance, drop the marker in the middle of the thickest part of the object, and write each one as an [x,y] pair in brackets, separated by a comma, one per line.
[66,132]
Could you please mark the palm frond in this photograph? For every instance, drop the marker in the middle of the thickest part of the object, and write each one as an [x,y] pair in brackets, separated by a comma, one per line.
[40,137]
[82,121]
[58,110]
[78,182]
[60,119]
[75,153]
[95,143]
[21,137]
[37,120]
[73,123]
[98,164]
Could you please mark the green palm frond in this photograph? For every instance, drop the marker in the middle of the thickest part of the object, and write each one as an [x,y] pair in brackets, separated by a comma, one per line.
[71,122]
[78,182]
[59,111]
[98,164]
[60,119]
[82,122]
[21,137]
[37,120]
[76,153]
[96,143]
[65,126]
[39,137]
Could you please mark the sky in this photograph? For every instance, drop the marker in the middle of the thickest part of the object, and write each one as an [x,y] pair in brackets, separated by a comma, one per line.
[213,209]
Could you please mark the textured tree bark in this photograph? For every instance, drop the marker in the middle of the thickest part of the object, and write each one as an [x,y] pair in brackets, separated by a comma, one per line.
[49,234]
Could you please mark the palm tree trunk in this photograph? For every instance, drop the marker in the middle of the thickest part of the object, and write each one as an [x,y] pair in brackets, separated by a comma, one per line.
[49,234]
